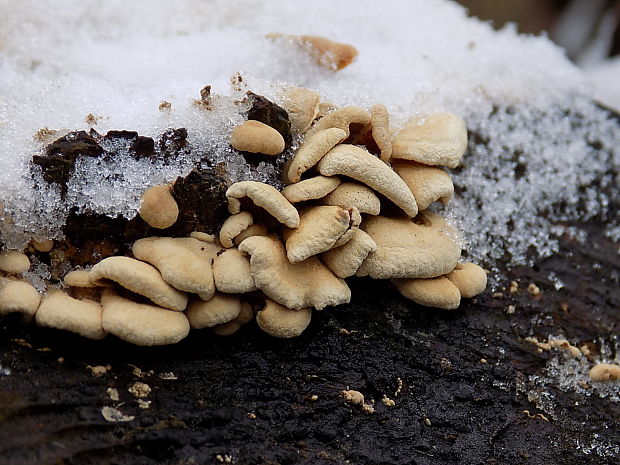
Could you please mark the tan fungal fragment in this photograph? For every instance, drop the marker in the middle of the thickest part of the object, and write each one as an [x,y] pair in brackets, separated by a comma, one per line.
[312,150]
[279,321]
[233,226]
[60,311]
[245,316]
[264,196]
[380,122]
[341,118]
[310,189]
[139,389]
[141,278]
[142,324]
[470,279]
[357,163]
[355,219]
[294,285]
[542,346]
[437,139]
[43,246]
[319,229]
[327,53]
[256,137]
[605,372]
[350,194]
[325,108]
[18,296]
[231,271]
[432,292]
[203,237]
[427,183]
[252,230]
[78,278]
[220,309]
[302,106]
[14,262]
[345,260]
[158,208]
[409,250]
[563,344]
[357,398]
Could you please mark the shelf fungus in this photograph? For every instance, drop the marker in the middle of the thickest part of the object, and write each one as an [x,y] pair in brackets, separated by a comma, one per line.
[264,196]
[279,321]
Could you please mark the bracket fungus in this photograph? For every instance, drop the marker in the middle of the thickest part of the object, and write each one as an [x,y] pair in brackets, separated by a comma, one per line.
[256,137]
[310,189]
[351,194]
[246,314]
[302,106]
[14,262]
[233,226]
[313,149]
[344,261]
[60,311]
[605,372]
[380,123]
[281,322]
[221,309]
[18,296]
[470,279]
[437,292]
[427,183]
[264,196]
[231,271]
[158,208]
[78,278]
[342,118]
[252,230]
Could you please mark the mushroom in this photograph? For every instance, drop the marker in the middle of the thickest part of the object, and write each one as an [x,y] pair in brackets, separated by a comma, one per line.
[203,237]
[42,246]
[427,183]
[380,123]
[605,372]
[233,226]
[60,311]
[265,196]
[431,292]
[294,285]
[319,229]
[18,296]
[222,308]
[310,189]
[78,278]
[355,219]
[141,278]
[14,262]
[437,139]
[158,208]
[341,118]
[350,194]
[231,272]
[142,324]
[357,163]
[345,260]
[469,278]
[312,150]
[302,106]
[409,250]
[279,321]
[245,316]
[184,262]
[256,137]
[252,230]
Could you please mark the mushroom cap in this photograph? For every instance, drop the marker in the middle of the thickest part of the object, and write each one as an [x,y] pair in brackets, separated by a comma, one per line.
[43,246]
[351,194]
[246,314]
[14,262]
[78,278]
[233,226]
[427,183]
[158,208]
[302,106]
[184,262]
[252,230]
[605,372]
[345,260]
[279,321]
[256,137]
[221,309]
[469,278]
[142,324]
[355,219]
[265,196]
[319,229]
[432,292]
[18,296]
[226,329]
[357,163]
[380,122]
[409,250]
[231,271]
[437,139]
[310,189]
[60,311]
[312,150]
[141,278]
[294,285]
[341,118]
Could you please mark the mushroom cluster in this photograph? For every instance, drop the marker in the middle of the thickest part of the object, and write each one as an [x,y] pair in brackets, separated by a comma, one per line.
[354,204]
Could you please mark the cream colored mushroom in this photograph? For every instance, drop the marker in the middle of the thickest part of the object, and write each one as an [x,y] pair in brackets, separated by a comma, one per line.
[302,106]
[158,208]
[345,260]
[279,321]
[432,292]
[14,262]
[327,53]
[60,311]
[294,285]
[427,183]
[310,189]
[256,137]
[264,196]
[357,163]
[252,230]
[231,271]
[355,219]
[203,237]
[437,139]
[312,150]
[245,316]
[469,278]
[605,372]
[222,308]
[184,262]
[341,118]
[141,278]
[233,225]
[78,278]
[43,246]
[18,296]
[142,324]
[325,108]
[409,250]
[350,194]
[380,122]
